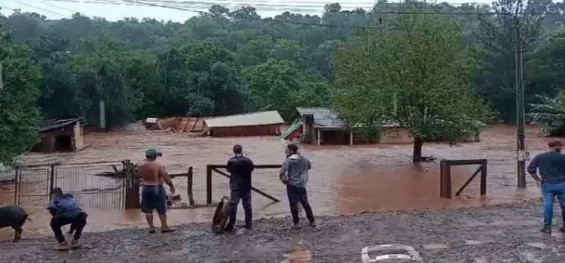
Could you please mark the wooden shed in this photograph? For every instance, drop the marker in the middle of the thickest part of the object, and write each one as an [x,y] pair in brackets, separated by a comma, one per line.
[60,136]
[266,123]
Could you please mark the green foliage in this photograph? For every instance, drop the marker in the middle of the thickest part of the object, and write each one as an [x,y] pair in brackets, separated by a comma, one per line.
[546,66]
[209,65]
[550,112]
[18,115]
[278,85]
[415,75]
[496,52]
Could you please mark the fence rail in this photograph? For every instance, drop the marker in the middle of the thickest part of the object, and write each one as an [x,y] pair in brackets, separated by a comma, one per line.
[211,168]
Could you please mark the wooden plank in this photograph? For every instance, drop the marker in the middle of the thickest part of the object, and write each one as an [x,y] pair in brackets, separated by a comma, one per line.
[484,179]
[466,162]
[260,166]
[252,188]
[468,181]
[189,187]
[208,184]
[445,179]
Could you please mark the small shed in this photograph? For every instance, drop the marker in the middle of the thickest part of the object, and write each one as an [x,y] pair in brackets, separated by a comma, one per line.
[60,136]
[324,125]
[266,123]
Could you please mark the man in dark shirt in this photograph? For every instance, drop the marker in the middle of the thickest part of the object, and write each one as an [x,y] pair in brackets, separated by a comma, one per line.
[240,168]
[551,167]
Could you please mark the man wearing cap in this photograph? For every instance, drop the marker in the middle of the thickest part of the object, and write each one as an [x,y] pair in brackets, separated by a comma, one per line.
[551,167]
[240,168]
[153,195]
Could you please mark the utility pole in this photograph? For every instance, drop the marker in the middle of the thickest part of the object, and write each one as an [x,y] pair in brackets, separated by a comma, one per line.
[520,111]
[1,76]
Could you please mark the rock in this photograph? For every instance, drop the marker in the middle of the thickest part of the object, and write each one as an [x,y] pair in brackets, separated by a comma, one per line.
[538,245]
[481,260]
[472,242]
[435,246]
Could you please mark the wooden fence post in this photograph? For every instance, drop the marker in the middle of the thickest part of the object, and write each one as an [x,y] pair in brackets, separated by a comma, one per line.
[484,178]
[189,187]
[51,182]
[445,179]
[208,184]
[132,188]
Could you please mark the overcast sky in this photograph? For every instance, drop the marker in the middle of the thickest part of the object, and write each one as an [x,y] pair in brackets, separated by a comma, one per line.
[118,9]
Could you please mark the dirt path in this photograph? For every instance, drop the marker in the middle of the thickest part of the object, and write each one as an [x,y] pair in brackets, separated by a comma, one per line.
[507,233]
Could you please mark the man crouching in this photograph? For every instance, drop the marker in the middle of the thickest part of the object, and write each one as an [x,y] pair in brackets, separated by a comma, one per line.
[65,210]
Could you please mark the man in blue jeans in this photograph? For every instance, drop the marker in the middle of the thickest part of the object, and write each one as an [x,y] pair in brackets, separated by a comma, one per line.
[551,167]
[240,168]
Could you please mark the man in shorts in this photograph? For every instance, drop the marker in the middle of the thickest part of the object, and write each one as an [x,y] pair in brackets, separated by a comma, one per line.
[153,195]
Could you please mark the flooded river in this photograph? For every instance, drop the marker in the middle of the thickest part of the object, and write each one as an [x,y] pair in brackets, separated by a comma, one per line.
[344,179]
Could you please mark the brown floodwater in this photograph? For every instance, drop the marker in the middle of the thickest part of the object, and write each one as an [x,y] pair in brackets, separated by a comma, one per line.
[344,179]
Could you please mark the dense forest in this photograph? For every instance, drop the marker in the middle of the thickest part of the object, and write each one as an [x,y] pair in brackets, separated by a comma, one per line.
[233,61]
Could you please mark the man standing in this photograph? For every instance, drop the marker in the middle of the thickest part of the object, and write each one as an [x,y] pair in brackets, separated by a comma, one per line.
[551,167]
[153,195]
[294,174]
[65,210]
[240,168]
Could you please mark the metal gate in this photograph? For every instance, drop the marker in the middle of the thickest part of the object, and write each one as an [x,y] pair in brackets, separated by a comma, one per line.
[94,185]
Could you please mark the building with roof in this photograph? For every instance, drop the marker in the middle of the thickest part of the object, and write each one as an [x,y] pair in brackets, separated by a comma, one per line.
[324,126]
[266,123]
[60,136]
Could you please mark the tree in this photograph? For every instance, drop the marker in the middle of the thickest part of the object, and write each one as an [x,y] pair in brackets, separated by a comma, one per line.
[19,114]
[423,63]
[100,76]
[546,67]
[279,85]
[551,113]
[496,53]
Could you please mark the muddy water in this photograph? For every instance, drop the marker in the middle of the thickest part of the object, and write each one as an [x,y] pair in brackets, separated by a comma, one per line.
[344,179]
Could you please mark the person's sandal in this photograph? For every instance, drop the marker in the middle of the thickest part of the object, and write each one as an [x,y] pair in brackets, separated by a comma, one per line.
[62,246]
[151,230]
[75,244]
[167,230]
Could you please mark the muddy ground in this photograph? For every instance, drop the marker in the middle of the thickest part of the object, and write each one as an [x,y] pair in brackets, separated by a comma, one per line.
[503,233]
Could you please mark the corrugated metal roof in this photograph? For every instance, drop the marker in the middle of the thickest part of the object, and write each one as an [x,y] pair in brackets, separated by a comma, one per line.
[323,118]
[248,119]
[327,119]
[48,125]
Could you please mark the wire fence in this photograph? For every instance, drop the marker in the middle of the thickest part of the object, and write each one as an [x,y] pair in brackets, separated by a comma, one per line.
[94,185]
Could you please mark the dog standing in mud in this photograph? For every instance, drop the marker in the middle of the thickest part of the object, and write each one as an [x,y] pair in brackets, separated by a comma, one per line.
[15,217]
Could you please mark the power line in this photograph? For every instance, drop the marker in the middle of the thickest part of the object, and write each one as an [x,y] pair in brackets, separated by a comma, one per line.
[40,8]
[59,7]
[179,6]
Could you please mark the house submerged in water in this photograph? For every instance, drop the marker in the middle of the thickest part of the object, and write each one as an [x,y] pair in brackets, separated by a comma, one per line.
[323,126]
[266,123]
[60,136]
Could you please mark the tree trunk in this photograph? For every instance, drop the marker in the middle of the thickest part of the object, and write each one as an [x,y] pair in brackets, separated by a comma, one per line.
[417,154]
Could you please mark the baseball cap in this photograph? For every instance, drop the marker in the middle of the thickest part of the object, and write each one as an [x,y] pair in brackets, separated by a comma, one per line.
[153,153]
[555,143]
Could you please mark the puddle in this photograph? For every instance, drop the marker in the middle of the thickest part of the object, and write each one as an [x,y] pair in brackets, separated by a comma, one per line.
[298,255]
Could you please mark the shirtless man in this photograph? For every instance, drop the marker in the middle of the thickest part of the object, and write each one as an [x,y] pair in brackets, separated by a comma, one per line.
[153,195]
